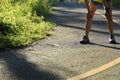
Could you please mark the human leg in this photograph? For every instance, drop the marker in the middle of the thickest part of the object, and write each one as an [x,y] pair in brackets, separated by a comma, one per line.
[90,16]
[108,14]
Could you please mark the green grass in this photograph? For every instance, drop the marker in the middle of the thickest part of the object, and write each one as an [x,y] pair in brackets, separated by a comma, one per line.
[22,22]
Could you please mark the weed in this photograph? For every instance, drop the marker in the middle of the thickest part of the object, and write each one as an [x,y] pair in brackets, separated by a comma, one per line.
[22,21]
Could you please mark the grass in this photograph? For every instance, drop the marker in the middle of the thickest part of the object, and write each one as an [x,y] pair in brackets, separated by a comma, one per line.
[22,22]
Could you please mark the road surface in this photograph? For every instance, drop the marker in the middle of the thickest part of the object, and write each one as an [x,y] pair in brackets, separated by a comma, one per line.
[61,56]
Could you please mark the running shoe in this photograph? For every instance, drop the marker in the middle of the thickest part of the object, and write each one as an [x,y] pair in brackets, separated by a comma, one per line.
[112,39]
[85,40]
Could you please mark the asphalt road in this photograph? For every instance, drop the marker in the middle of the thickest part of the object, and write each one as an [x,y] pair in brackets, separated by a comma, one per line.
[61,56]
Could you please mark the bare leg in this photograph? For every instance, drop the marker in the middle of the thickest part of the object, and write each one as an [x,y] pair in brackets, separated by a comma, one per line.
[108,14]
[90,16]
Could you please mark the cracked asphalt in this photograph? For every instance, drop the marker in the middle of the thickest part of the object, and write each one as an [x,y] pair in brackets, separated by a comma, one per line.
[61,56]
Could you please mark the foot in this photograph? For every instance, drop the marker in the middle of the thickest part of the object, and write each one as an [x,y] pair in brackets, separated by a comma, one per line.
[85,40]
[112,39]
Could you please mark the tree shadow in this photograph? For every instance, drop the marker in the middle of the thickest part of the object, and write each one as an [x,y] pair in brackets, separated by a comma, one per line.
[71,5]
[70,17]
[116,15]
[92,30]
[24,70]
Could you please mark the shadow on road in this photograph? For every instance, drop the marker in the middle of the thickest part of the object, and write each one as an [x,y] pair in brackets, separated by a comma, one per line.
[92,30]
[73,6]
[68,18]
[23,70]
[112,47]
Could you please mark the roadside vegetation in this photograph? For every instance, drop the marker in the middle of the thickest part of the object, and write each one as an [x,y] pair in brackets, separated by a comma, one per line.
[22,22]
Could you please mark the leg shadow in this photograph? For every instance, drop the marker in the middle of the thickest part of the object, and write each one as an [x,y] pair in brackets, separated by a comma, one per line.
[112,47]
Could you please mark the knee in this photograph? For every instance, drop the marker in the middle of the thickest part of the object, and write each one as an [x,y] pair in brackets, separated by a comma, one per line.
[108,13]
[90,16]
